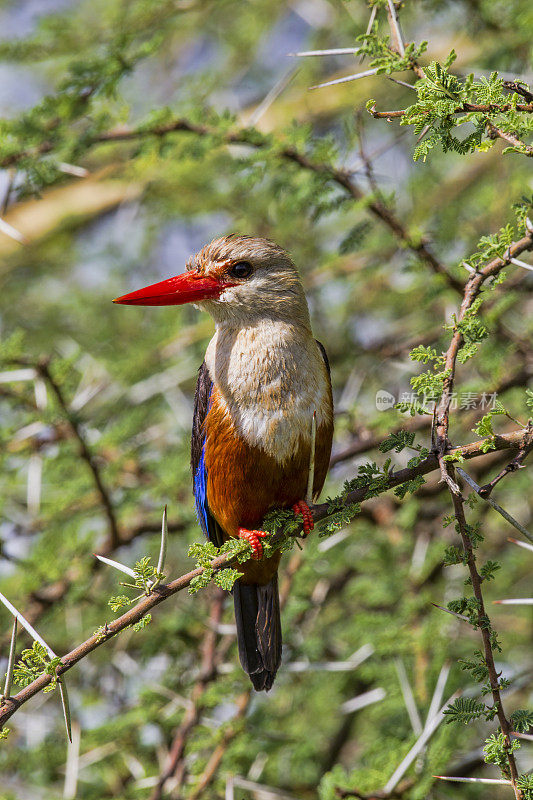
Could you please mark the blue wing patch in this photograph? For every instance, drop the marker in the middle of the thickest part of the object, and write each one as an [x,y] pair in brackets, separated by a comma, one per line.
[202,400]
[200,493]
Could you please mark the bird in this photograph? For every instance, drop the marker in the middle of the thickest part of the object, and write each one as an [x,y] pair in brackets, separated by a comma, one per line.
[263,408]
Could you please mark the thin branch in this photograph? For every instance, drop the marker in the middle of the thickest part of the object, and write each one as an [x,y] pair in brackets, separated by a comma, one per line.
[254,139]
[85,452]
[396,31]
[464,109]
[482,618]
[505,514]
[471,291]
[510,138]
[161,593]
[515,464]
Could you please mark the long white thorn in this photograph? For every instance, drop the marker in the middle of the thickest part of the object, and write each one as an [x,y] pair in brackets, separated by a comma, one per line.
[336,51]
[418,746]
[525,545]
[498,781]
[73,169]
[518,263]
[116,565]
[515,601]
[272,96]
[505,514]
[363,700]
[73,765]
[408,697]
[25,624]
[395,26]
[439,691]
[366,74]
[66,707]
[10,661]
[12,232]
[164,542]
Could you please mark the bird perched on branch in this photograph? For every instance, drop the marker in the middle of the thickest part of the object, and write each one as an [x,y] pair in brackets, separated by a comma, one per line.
[263,413]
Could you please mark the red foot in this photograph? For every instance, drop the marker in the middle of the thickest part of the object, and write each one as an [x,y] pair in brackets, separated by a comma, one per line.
[302,508]
[254,539]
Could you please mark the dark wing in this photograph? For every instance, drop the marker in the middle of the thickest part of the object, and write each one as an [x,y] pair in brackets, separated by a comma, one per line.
[324,356]
[199,473]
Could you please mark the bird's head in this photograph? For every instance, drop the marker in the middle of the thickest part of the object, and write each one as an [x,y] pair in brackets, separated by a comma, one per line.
[234,278]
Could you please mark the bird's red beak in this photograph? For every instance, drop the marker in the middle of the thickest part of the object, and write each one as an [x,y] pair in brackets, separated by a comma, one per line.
[191,287]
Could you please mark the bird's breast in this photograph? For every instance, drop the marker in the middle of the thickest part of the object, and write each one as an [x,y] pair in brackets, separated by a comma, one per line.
[270,380]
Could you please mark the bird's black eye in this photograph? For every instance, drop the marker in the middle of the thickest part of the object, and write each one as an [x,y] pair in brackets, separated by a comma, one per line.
[242,269]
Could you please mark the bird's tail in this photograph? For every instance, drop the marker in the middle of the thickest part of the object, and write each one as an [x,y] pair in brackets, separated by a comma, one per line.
[257,615]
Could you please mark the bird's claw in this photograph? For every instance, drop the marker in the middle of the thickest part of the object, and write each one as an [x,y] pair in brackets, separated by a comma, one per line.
[254,540]
[302,508]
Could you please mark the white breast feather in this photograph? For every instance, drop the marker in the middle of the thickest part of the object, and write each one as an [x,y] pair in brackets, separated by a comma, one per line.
[271,377]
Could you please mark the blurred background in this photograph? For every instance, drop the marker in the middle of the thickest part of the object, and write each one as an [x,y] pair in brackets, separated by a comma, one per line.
[84,218]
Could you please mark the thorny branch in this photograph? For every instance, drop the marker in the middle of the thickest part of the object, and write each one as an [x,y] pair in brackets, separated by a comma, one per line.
[43,369]
[366,441]
[471,291]
[482,618]
[506,441]
[464,109]
[515,464]
[254,139]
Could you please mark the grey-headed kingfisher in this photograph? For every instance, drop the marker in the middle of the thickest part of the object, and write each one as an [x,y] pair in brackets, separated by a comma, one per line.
[263,378]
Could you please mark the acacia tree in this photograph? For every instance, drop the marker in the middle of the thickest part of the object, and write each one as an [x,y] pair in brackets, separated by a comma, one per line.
[409,215]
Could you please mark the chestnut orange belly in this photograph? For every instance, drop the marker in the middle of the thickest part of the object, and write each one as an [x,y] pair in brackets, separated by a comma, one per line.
[244,482]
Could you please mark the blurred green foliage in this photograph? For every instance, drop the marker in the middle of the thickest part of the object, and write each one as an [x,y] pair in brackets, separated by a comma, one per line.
[127,377]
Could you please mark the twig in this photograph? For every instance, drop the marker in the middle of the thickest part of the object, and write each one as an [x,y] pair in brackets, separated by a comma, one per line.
[209,672]
[482,618]
[464,109]
[471,291]
[505,514]
[254,139]
[515,464]
[396,31]
[105,499]
[510,138]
